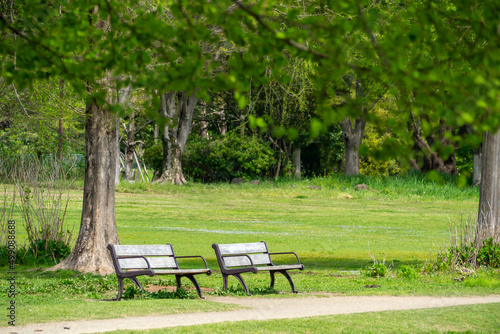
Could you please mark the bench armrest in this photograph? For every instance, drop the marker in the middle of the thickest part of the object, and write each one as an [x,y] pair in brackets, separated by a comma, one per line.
[193,256]
[239,255]
[284,253]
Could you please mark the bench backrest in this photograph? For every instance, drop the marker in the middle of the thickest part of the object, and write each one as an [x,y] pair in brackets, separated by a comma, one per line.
[257,251]
[159,256]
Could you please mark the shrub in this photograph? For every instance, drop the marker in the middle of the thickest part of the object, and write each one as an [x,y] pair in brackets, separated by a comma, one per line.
[489,254]
[49,251]
[153,157]
[377,270]
[233,156]
[42,252]
[407,272]
[133,292]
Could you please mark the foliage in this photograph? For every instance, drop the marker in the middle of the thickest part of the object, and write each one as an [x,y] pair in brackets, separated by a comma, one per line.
[464,158]
[489,254]
[49,251]
[47,119]
[325,155]
[42,252]
[132,292]
[232,156]
[377,270]
[43,202]
[465,252]
[153,157]
[406,271]
[369,164]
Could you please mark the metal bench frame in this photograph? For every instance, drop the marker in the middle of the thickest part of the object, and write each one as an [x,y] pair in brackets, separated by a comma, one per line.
[148,253]
[251,257]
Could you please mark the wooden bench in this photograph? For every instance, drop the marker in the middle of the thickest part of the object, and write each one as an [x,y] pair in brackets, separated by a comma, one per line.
[235,259]
[131,261]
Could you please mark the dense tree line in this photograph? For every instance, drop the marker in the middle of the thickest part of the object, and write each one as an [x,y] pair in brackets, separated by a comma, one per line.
[420,74]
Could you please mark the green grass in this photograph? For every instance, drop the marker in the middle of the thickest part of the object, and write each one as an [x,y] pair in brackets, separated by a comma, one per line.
[463,319]
[401,222]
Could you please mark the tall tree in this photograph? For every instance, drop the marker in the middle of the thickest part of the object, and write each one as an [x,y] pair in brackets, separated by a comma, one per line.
[176,114]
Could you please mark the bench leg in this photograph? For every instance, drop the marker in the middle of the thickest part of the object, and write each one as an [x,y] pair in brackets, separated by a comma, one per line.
[287,275]
[192,279]
[120,289]
[284,272]
[120,286]
[239,278]
[136,282]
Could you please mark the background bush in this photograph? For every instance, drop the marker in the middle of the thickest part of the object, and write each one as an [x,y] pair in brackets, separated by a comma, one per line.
[232,156]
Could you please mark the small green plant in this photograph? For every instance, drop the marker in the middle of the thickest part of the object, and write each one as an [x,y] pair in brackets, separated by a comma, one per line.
[489,254]
[49,251]
[132,292]
[408,272]
[377,270]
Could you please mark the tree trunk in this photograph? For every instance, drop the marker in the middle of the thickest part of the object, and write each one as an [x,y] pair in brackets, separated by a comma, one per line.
[177,111]
[129,149]
[117,144]
[352,142]
[296,163]
[121,98]
[98,223]
[476,167]
[203,123]
[430,159]
[488,221]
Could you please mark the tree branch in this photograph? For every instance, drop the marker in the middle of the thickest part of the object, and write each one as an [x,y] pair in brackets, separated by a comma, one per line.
[290,42]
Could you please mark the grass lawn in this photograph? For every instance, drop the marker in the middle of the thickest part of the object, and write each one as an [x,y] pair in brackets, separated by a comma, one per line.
[456,319]
[336,231]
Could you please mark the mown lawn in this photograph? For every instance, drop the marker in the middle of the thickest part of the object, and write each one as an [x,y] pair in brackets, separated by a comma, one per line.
[337,232]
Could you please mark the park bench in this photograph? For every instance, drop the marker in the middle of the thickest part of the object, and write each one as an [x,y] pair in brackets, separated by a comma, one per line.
[131,261]
[235,259]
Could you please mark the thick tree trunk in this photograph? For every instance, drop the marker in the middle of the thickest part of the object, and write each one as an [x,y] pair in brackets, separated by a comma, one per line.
[177,110]
[488,221]
[352,142]
[296,163]
[98,224]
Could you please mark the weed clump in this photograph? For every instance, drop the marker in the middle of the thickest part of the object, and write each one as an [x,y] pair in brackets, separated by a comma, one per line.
[132,292]
[408,272]
[465,251]
[377,270]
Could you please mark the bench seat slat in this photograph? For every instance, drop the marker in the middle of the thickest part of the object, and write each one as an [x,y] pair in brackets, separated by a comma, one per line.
[155,262]
[130,250]
[181,271]
[249,248]
[237,261]
[281,267]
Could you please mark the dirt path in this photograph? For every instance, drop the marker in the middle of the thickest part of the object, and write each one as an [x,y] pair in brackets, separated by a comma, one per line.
[256,309]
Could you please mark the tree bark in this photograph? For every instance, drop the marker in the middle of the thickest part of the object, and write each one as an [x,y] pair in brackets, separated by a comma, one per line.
[476,167]
[121,98]
[430,159]
[98,223]
[296,163]
[488,221]
[177,110]
[352,141]
[130,149]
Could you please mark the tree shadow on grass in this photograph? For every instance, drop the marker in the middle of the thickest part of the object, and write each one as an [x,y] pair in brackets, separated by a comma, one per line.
[347,264]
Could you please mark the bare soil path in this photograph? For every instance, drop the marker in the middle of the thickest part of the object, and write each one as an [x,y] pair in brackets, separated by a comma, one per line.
[255,308]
